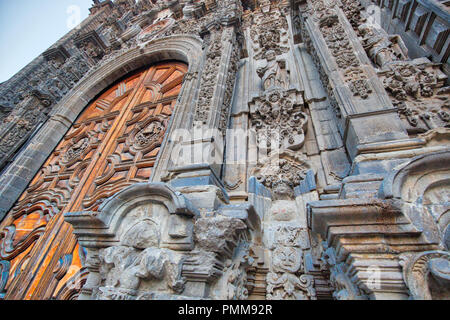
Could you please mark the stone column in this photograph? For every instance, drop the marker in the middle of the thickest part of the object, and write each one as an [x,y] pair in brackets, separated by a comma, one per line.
[366,114]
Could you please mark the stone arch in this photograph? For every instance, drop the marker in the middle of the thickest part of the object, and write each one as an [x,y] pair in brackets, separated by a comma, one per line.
[412,181]
[183,48]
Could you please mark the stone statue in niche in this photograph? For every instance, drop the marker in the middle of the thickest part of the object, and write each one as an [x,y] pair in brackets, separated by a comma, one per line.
[273,73]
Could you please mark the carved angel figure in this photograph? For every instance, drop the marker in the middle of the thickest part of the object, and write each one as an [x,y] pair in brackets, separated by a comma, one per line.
[273,73]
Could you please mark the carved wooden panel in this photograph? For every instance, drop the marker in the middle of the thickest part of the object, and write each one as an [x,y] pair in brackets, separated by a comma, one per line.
[113,144]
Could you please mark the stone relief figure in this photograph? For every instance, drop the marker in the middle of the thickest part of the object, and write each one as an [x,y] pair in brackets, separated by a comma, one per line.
[286,259]
[281,174]
[381,47]
[273,73]
[138,259]
[286,279]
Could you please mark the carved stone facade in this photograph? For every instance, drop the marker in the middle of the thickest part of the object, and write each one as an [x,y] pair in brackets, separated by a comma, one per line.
[232,149]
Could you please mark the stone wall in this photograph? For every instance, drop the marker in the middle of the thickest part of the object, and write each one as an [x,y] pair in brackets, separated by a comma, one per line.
[318,146]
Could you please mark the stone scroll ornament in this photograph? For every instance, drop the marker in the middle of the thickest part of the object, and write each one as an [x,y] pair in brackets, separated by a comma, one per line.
[286,280]
[135,243]
[417,88]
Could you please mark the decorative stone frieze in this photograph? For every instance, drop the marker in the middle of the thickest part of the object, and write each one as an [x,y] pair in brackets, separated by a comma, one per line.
[418,90]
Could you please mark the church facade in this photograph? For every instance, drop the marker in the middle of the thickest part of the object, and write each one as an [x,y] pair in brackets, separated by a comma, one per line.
[232,150]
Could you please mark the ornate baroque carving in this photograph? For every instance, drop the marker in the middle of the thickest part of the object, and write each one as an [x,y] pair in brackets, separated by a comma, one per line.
[427,274]
[278,117]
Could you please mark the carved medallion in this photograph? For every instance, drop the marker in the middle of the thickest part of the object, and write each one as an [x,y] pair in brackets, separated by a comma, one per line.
[147,136]
[286,259]
[75,151]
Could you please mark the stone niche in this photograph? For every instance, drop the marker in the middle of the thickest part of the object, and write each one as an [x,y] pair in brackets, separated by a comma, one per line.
[149,242]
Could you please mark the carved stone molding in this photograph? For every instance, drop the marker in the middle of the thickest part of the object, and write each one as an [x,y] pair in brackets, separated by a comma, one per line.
[344,287]
[282,173]
[427,274]
[150,241]
[279,117]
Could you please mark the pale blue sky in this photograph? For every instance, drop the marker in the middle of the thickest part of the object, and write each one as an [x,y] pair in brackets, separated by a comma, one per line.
[29,27]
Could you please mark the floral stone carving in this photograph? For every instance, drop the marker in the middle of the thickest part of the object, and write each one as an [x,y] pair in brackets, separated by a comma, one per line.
[427,274]
[278,117]
[417,90]
[282,173]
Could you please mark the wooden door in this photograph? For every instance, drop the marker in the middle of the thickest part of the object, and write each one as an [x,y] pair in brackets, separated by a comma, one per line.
[113,144]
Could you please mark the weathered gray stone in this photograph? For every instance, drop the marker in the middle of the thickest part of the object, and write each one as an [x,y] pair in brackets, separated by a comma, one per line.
[307,156]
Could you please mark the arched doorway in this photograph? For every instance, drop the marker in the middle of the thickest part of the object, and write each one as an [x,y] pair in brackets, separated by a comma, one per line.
[113,144]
